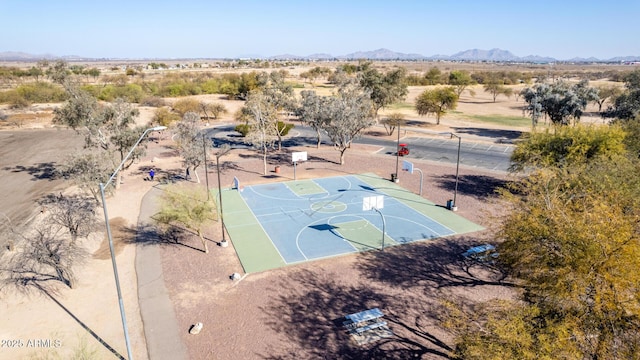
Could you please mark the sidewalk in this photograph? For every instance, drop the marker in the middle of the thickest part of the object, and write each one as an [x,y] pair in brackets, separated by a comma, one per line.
[158,316]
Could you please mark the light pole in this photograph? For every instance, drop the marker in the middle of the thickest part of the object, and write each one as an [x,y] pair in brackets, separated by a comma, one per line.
[113,254]
[398,153]
[223,151]
[206,171]
[455,192]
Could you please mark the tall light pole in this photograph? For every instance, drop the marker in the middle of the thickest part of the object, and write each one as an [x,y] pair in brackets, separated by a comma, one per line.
[223,151]
[398,152]
[455,192]
[206,171]
[113,254]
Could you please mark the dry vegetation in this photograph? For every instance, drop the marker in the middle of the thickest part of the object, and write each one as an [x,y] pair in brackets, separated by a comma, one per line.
[283,314]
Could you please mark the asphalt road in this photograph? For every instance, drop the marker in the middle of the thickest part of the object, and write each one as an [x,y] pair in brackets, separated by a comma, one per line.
[440,148]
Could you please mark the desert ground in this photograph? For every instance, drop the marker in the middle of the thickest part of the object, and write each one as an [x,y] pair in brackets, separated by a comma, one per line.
[288,313]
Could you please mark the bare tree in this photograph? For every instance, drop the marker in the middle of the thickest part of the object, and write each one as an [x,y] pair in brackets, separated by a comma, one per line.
[74,213]
[261,115]
[88,169]
[44,257]
[392,122]
[280,96]
[192,145]
[350,112]
[312,111]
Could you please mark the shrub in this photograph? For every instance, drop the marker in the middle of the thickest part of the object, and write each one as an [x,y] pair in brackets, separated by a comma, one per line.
[163,116]
[184,106]
[283,128]
[243,129]
[154,101]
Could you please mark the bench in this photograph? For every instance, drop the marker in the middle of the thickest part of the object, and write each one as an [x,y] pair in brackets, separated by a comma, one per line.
[363,321]
[366,315]
[370,327]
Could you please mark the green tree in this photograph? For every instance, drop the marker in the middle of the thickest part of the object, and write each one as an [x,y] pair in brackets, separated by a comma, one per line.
[606,93]
[627,105]
[188,207]
[560,101]
[384,89]
[496,87]
[461,80]
[437,101]
[433,76]
[567,146]
[571,237]
[349,113]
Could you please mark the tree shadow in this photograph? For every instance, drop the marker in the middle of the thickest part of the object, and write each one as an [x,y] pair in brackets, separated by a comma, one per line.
[39,171]
[312,317]
[152,235]
[490,133]
[430,265]
[84,326]
[227,166]
[478,186]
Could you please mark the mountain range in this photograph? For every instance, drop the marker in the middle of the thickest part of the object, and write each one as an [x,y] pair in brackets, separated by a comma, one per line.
[493,55]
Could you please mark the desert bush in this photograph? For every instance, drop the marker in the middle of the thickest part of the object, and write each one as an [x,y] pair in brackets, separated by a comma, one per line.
[165,117]
[243,129]
[154,101]
[184,106]
[18,102]
[284,128]
[26,94]
[132,93]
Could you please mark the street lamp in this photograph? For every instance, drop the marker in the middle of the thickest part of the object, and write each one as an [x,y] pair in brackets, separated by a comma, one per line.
[223,151]
[455,192]
[113,254]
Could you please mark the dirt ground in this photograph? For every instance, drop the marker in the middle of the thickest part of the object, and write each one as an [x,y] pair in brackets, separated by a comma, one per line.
[288,313]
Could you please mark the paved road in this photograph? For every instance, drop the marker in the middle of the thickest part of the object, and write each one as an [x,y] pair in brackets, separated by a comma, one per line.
[441,148]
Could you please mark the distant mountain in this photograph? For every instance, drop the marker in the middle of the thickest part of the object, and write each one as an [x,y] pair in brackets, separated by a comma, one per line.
[493,55]
[320,57]
[537,59]
[21,56]
[381,54]
[485,55]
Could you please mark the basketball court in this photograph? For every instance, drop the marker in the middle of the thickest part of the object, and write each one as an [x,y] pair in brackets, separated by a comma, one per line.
[279,224]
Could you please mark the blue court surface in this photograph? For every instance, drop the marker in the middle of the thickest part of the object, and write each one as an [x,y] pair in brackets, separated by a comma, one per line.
[278,224]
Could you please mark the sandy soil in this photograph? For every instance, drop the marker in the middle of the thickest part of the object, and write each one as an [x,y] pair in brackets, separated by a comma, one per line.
[281,314]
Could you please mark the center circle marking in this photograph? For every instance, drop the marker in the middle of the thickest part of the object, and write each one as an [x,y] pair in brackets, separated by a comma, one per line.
[329,206]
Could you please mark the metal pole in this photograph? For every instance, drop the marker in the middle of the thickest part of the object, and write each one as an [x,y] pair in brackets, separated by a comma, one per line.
[110,238]
[220,196]
[206,172]
[421,178]
[398,152]
[455,193]
[115,275]
[383,226]
[294,170]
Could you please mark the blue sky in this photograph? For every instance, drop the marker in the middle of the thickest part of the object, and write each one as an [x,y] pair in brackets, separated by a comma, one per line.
[561,29]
